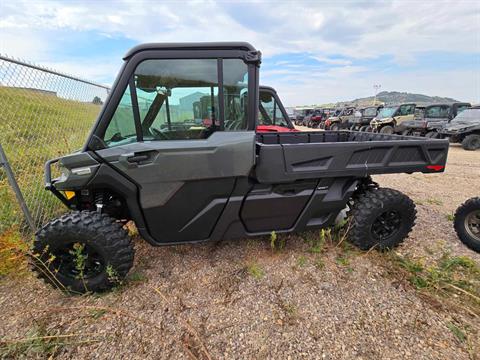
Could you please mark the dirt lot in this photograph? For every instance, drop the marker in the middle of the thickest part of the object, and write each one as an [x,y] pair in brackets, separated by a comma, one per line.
[243,300]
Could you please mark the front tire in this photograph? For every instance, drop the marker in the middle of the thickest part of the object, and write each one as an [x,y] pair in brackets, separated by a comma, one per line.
[381,218]
[471,142]
[467,223]
[387,130]
[334,127]
[82,252]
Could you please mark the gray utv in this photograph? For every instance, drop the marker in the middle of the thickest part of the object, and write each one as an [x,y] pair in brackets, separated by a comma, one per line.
[432,119]
[464,129]
[182,179]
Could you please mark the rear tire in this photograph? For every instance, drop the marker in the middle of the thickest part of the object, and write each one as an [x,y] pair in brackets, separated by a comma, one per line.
[386,130]
[363,128]
[381,218]
[334,127]
[467,223]
[82,251]
[471,142]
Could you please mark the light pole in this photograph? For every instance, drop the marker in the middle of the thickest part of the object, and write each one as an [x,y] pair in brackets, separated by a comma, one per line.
[376,87]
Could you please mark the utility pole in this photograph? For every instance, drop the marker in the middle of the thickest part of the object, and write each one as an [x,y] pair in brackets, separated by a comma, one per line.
[376,87]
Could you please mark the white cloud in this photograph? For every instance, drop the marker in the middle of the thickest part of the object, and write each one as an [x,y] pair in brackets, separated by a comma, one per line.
[325,30]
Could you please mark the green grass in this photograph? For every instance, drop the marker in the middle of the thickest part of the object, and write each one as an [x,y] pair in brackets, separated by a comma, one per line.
[35,127]
[254,270]
[458,275]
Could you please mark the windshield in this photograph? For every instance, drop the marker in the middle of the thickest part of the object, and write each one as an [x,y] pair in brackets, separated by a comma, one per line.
[468,116]
[387,112]
[370,111]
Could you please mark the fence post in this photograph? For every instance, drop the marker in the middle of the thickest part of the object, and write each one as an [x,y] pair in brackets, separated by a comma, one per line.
[16,189]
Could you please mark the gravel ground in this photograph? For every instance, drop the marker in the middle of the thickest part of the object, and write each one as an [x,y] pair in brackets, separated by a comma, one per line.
[241,300]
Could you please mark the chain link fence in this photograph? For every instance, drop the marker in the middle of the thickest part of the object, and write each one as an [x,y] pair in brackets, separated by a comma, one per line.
[43,114]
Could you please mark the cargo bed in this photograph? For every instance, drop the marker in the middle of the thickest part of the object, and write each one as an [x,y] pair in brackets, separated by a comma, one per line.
[286,157]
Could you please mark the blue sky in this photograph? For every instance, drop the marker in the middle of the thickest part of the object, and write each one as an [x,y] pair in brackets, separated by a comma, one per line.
[313,51]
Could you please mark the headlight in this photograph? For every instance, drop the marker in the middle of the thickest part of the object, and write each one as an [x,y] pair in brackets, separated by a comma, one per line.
[64,172]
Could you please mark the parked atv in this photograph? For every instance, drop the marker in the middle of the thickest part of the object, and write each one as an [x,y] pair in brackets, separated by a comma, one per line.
[391,116]
[328,113]
[467,223]
[431,120]
[314,118]
[183,182]
[363,117]
[300,114]
[464,129]
[342,121]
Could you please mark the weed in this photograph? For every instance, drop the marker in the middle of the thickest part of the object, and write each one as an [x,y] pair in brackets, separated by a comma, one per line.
[319,263]
[290,309]
[450,217]
[302,261]
[112,274]
[137,277]
[12,253]
[459,334]
[316,242]
[255,270]
[450,274]
[38,343]
[412,266]
[342,260]
[97,313]
[434,201]
[79,258]
[276,243]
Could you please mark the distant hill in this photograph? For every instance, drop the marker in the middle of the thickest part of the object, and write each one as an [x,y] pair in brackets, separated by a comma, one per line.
[395,97]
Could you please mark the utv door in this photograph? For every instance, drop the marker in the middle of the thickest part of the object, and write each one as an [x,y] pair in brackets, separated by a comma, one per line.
[185,167]
[405,112]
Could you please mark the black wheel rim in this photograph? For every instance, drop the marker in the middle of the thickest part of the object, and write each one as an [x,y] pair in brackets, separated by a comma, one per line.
[386,225]
[472,224]
[77,261]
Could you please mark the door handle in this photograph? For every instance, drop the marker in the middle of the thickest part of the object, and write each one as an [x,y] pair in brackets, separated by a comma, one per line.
[131,160]
[137,158]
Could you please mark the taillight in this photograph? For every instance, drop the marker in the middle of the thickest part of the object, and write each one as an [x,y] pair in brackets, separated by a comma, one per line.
[435,167]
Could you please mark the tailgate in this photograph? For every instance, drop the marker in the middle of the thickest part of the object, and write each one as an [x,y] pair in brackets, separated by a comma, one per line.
[328,155]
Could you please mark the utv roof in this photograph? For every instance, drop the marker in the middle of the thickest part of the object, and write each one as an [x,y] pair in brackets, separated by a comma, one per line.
[191,46]
[263,87]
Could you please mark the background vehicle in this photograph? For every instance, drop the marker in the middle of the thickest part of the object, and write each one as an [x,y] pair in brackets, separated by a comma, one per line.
[300,114]
[182,183]
[363,117]
[342,120]
[465,129]
[291,114]
[272,116]
[467,223]
[327,113]
[313,119]
[392,116]
[433,117]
